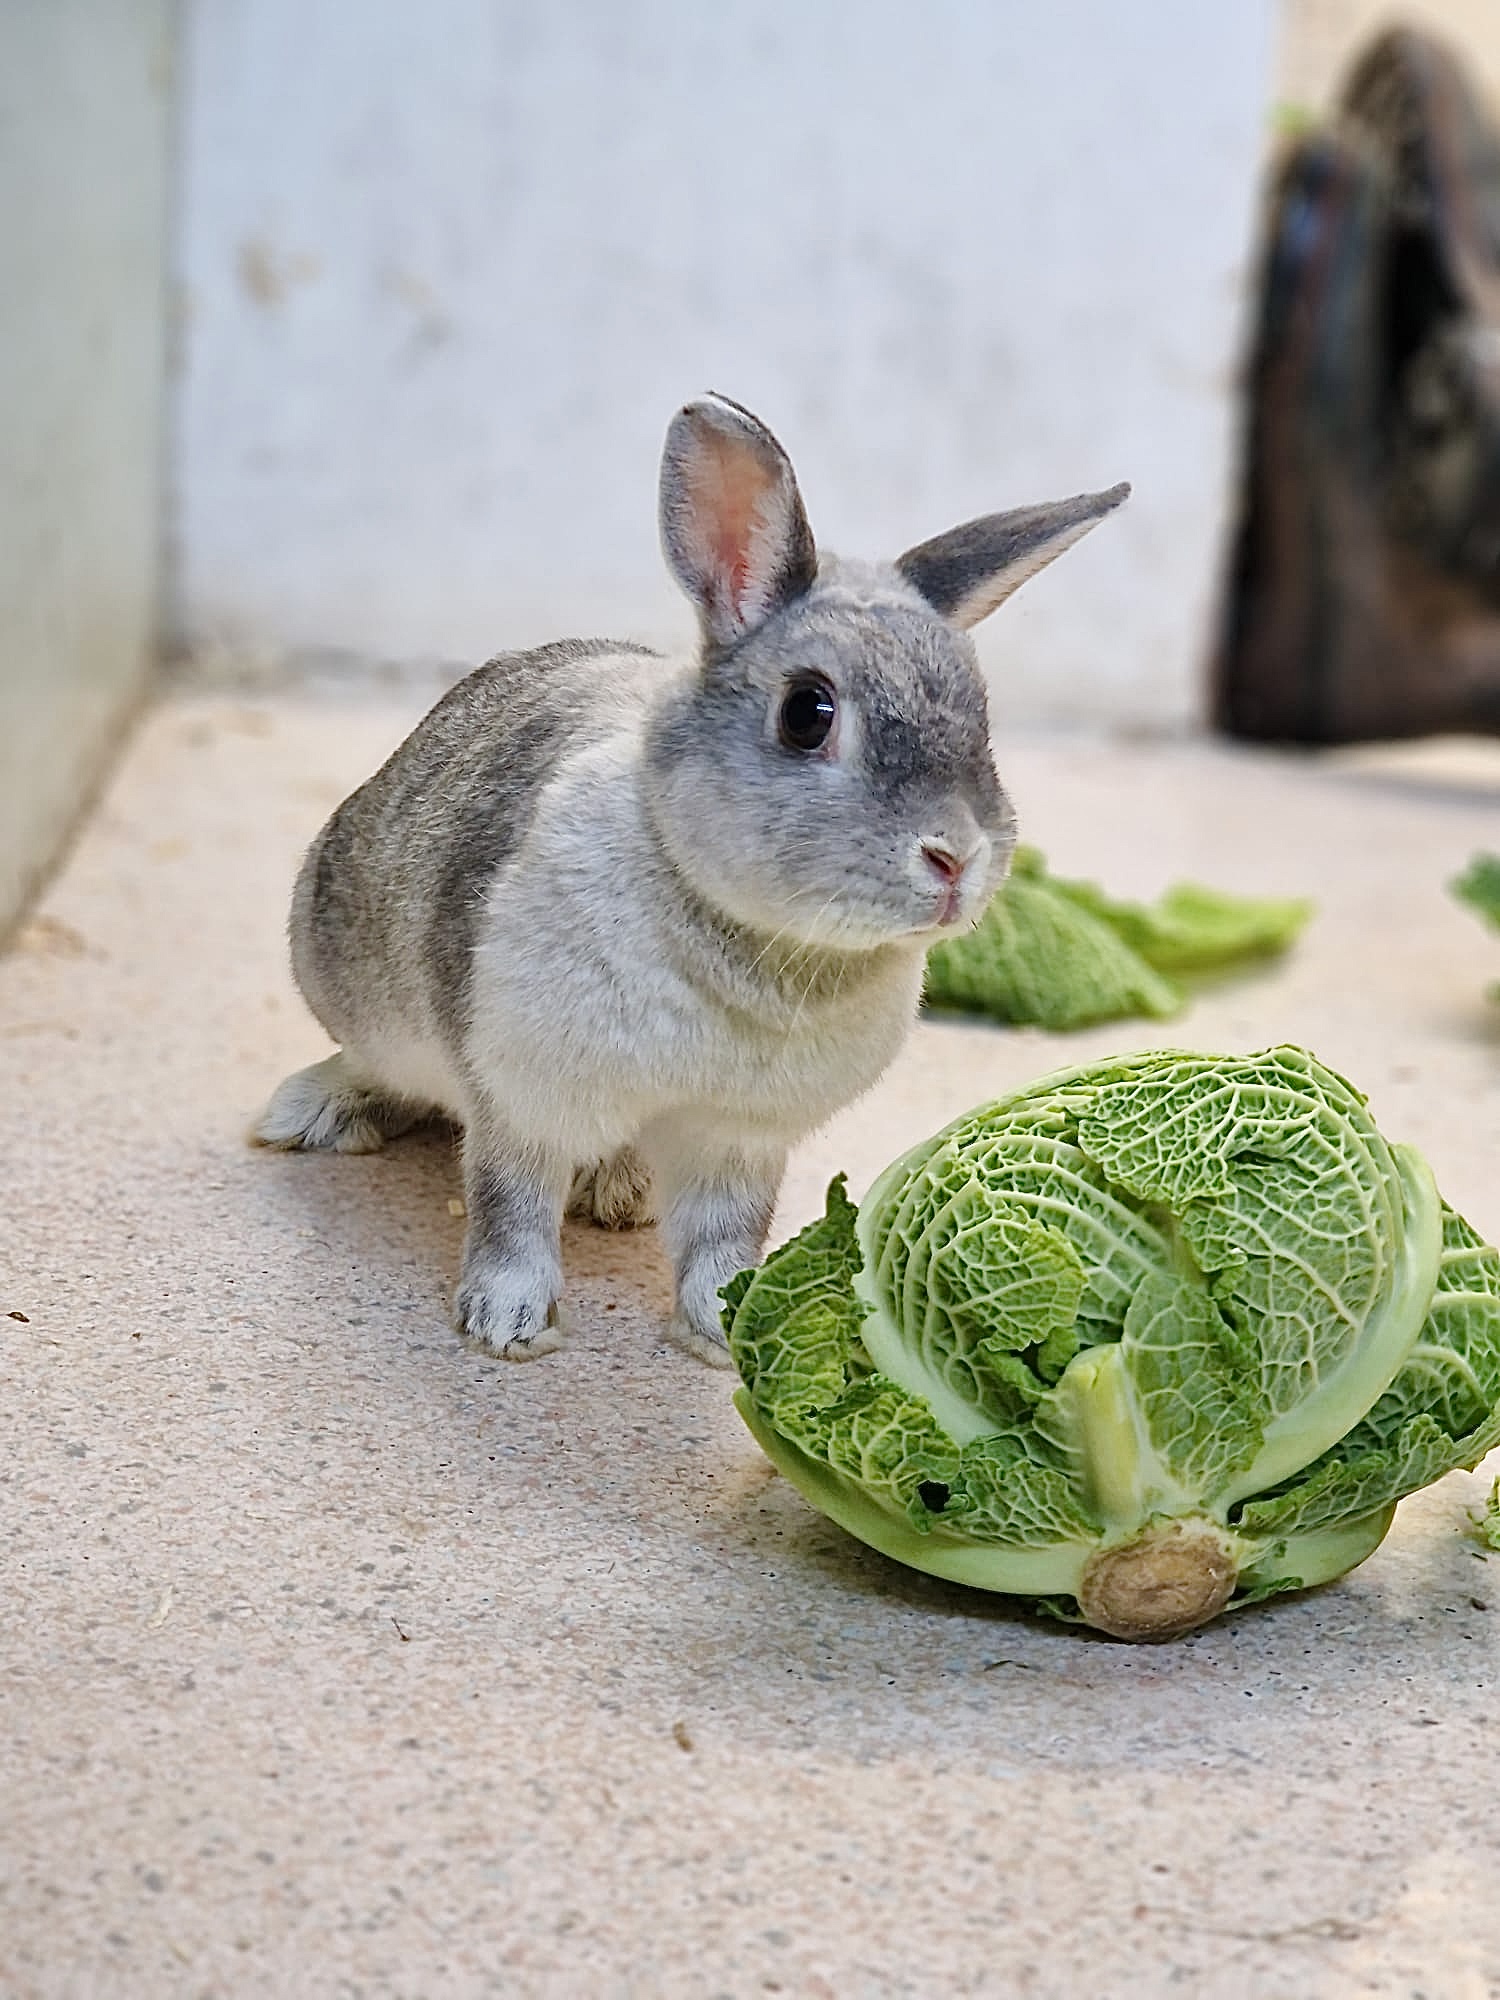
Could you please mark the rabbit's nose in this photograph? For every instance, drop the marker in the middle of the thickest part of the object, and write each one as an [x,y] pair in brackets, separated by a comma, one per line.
[945,864]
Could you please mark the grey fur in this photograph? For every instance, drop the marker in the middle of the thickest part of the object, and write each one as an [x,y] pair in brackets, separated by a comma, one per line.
[440,817]
[594,909]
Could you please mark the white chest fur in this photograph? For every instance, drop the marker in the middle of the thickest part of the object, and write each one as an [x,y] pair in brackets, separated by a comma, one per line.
[604,996]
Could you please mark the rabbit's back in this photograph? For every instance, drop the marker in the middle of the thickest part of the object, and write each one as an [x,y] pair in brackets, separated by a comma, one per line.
[390,897]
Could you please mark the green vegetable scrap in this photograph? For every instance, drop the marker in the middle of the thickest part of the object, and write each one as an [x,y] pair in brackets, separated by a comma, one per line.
[1145,1340]
[1487,1524]
[1062,954]
[1479,887]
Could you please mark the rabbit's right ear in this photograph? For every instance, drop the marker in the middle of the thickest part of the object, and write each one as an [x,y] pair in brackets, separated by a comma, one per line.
[733,526]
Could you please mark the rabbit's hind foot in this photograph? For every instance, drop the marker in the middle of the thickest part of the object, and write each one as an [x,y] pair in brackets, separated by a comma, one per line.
[331,1107]
[614,1193]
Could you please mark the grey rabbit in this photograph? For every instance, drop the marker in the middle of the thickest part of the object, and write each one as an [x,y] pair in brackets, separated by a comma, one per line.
[640,923]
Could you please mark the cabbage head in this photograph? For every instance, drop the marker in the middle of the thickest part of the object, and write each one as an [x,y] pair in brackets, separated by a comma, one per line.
[1145,1340]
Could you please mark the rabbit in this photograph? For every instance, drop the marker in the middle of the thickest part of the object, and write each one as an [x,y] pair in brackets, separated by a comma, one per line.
[638,923]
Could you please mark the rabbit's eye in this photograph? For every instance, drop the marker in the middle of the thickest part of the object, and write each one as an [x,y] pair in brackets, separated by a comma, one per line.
[807,714]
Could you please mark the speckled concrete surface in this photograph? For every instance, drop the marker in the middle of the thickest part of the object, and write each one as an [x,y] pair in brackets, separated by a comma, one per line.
[337,1659]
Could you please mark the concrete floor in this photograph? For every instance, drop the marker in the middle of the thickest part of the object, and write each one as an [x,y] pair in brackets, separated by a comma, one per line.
[336,1659]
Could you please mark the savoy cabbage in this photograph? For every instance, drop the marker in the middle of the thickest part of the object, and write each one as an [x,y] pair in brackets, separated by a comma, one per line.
[1145,1340]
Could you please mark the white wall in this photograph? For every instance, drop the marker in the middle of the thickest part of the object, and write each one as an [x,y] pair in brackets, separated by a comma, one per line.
[84,124]
[447,269]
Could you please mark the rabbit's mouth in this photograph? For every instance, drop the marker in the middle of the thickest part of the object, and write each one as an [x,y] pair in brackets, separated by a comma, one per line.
[954,918]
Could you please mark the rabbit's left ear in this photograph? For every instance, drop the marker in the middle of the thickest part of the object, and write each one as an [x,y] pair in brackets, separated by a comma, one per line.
[733,527]
[968,572]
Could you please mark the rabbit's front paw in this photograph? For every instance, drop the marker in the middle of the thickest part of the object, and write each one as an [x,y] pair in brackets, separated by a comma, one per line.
[508,1309]
[704,1340]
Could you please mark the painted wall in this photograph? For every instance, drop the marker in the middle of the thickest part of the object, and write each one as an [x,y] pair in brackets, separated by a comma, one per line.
[446,270]
[83,145]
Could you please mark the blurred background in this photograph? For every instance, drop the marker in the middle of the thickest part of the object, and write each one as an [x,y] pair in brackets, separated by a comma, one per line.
[347,334]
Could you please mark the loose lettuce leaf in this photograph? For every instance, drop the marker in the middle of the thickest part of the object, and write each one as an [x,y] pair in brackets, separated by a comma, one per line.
[1062,954]
[1037,956]
[1192,931]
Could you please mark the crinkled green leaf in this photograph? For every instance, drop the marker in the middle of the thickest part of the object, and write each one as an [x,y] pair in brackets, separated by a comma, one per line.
[988,1300]
[732,1295]
[885,1439]
[1453,1372]
[793,1332]
[806,1366]
[1282,1192]
[793,1325]
[1064,1609]
[1024,1154]
[1340,1487]
[1204,1417]
[993,1278]
[1276,1586]
[1262,1179]
[1479,887]
[1037,956]
[1011,1488]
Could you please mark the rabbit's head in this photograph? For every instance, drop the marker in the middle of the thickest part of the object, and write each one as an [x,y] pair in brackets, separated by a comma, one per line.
[826,775]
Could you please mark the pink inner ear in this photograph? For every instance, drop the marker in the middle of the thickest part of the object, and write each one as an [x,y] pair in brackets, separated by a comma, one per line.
[737,487]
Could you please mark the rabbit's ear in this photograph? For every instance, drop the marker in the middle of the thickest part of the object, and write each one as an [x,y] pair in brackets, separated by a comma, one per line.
[732,523]
[967,573]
